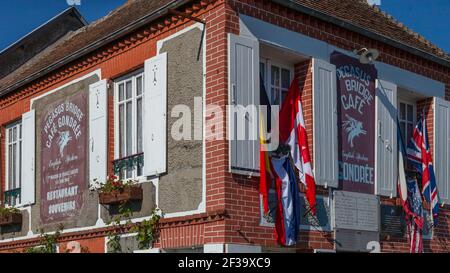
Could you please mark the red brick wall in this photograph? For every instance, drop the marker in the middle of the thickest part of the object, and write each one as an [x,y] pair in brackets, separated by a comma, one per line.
[243,192]
[126,55]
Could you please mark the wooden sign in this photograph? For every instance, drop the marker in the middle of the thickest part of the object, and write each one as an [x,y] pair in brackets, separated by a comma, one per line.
[356,120]
[63,158]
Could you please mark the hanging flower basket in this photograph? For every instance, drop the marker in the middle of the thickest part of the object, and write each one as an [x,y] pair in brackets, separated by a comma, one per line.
[116,191]
[9,217]
[129,193]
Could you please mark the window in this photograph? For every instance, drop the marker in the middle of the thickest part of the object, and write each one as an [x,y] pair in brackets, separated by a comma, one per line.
[407,120]
[129,94]
[13,164]
[277,79]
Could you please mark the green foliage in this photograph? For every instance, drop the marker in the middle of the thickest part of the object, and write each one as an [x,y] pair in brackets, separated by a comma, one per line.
[114,235]
[48,242]
[5,211]
[147,230]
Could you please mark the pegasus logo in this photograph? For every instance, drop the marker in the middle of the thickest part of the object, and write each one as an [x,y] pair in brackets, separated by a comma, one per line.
[63,140]
[353,128]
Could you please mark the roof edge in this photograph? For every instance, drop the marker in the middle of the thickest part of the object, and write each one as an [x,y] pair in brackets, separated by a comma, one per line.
[77,13]
[99,43]
[373,35]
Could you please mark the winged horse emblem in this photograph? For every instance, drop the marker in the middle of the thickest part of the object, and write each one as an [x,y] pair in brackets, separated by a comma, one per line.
[353,128]
[63,140]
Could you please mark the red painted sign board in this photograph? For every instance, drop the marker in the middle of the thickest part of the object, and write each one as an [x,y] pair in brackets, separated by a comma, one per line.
[356,123]
[63,158]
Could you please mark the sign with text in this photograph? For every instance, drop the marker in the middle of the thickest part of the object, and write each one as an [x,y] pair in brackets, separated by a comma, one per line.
[63,158]
[356,211]
[356,123]
[392,221]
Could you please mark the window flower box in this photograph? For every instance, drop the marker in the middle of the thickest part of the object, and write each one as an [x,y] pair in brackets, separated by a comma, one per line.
[9,217]
[129,193]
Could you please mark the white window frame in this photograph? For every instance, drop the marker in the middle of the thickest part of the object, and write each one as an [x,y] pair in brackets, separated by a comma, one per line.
[11,126]
[268,75]
[122,80]
[414,121]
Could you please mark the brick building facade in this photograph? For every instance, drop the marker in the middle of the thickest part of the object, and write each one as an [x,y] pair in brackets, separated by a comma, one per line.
[209,196]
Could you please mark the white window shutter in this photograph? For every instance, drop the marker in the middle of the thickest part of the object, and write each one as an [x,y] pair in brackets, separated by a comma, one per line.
[325,130]
[442,148]
[155,115]
[386,170]
[243,74]
[98,131]
[28,158]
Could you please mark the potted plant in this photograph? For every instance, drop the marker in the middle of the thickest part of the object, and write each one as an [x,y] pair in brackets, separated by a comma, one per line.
[116,191]
[10,216]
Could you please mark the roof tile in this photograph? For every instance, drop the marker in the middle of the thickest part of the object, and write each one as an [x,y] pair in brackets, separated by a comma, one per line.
[356,12]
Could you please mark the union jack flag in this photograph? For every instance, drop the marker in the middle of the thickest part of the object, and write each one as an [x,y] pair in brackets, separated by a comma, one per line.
[420,157]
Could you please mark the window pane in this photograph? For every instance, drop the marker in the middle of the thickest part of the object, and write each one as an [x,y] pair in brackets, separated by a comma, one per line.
[410,113]
[283,95]
[139,125]
[402,111]
[19,182]
[129,87]
[285,78]
[410,128]
[262,71]
[139,85]
[14,166]
[14,134]
[275,75]
[10,167]
[129,129]
[121,92]
[403,130]
[121,131]
[275,94]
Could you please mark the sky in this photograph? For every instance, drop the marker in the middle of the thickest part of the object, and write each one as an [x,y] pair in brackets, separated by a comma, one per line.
[430,18]
[20,17]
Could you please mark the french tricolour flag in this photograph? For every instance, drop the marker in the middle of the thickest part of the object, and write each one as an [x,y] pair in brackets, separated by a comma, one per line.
[287,222]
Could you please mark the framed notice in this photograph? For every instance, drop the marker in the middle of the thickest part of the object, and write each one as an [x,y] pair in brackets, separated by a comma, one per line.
[356,211]
[393,222]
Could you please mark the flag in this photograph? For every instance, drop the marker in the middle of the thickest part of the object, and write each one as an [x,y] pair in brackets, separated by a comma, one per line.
[401,183]
[411,199]
[414,217]
[420,152]
[287,220]
[265,177]
[292,132]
